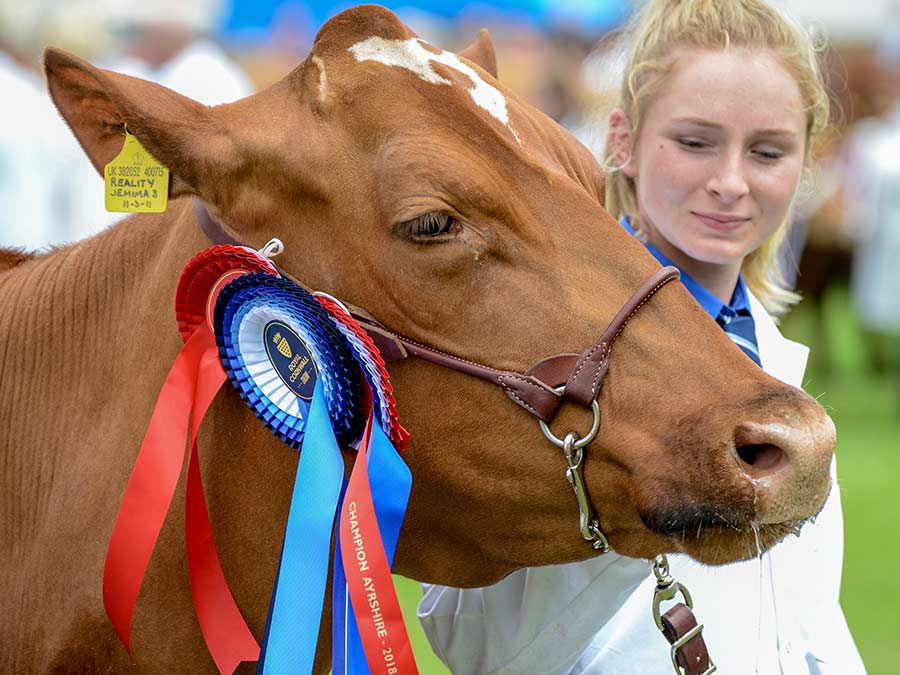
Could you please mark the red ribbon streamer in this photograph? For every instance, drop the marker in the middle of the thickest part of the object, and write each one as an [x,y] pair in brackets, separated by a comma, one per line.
[150,488]
[372,594]
[192,383]
[225,632]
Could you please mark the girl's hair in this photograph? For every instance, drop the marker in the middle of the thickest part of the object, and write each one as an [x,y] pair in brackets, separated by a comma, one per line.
[653,37]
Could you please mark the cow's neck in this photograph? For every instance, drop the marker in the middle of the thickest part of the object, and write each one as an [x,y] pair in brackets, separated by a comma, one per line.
[89,322]
[96,323]
[93,327]
[96,311]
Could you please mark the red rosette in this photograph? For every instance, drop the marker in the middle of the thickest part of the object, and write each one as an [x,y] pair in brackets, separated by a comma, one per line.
[398,435]
[205,275]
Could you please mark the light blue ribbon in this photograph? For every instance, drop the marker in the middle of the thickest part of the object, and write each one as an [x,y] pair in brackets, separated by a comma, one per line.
[390,482]
[292,631]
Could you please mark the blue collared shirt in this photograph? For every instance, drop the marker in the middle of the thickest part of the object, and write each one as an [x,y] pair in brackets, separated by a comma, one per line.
[709,302]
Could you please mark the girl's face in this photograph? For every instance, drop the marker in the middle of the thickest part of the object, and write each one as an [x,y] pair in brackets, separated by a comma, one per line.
[718,157]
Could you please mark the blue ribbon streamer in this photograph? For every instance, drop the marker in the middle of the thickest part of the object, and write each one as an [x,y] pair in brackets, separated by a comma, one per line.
[303,570]
[390,482]
[334,416]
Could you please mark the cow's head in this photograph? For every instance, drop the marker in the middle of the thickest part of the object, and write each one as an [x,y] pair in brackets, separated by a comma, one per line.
[406,180]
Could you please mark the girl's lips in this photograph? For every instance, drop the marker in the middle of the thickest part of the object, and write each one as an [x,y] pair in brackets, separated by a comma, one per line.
[720,223]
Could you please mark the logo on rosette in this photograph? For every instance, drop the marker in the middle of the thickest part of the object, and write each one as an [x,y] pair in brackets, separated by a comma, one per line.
[291,359]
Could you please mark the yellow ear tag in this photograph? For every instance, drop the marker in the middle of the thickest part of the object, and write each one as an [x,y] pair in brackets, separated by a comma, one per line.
[135,181]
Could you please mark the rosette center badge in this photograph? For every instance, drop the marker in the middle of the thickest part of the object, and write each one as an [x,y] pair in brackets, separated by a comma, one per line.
[291,359]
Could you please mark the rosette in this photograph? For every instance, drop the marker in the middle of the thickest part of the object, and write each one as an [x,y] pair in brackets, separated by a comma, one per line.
[275,341]
[205,275]
[314,377]
[373,366]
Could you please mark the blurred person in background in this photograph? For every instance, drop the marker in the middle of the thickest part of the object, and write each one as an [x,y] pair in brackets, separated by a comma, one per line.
[720,104]
[170,43]
[38,155]
[843,207]
[49,191]
[871,199]
[29,200]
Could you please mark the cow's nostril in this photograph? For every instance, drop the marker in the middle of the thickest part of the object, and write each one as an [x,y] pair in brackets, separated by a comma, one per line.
[787,464]
[761,459]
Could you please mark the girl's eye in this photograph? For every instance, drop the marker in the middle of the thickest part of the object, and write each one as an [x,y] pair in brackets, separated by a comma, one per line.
[769,153]
[692,143]
[430,226]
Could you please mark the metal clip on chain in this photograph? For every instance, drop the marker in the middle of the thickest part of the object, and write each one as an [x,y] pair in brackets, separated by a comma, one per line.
[668,589]
[572,446]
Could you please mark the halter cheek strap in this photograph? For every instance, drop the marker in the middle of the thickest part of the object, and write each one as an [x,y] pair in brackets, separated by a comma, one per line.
[542,388]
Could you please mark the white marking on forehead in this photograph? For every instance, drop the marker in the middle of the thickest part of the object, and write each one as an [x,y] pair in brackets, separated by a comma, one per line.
[410,54]
[323,78]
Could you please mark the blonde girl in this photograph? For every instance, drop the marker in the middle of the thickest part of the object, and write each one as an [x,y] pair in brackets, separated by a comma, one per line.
[721,102]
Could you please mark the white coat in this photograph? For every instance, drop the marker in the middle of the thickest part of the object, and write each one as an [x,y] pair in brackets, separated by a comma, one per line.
[776,616]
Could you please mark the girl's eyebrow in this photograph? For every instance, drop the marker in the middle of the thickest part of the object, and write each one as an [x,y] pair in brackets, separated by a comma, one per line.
[699,121]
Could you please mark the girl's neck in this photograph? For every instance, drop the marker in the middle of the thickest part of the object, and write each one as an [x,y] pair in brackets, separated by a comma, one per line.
[720,279]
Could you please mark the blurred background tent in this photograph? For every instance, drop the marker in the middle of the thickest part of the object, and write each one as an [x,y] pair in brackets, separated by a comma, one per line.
[562,56]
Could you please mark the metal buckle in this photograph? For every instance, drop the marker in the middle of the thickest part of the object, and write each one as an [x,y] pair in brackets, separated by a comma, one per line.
[667,589]
[681,642]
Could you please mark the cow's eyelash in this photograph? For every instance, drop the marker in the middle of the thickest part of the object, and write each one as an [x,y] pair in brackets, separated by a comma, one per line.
[432,225]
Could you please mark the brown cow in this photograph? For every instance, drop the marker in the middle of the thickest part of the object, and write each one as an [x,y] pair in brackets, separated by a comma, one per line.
[409,182]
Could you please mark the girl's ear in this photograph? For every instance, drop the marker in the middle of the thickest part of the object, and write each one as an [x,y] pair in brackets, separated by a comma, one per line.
[620,140]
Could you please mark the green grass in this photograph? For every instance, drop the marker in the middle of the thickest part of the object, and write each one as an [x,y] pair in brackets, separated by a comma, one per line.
[409,593]
[869,469]
[864,401]
[866,410]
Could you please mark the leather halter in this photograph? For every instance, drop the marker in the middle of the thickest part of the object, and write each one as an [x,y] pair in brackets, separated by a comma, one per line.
[540,390]
[549,382]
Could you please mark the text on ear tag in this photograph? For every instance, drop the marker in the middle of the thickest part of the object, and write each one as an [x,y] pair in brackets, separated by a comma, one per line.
[134,181]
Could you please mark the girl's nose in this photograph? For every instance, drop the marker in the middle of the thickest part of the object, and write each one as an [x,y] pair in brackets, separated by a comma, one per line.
[728,183]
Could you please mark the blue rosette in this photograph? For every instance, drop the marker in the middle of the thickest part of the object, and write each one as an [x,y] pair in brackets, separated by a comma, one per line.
[275,342]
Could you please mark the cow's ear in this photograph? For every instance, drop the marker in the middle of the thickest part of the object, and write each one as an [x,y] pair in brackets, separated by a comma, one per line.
[98,104]
[481,52]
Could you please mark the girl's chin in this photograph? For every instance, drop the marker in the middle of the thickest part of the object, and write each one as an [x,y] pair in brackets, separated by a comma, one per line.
[718,252]
[702,248]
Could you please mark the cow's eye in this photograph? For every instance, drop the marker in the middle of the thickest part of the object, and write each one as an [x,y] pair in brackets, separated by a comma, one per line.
[430,226]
